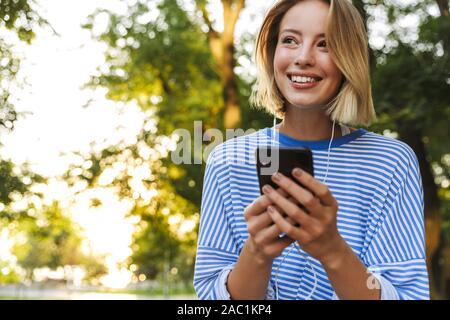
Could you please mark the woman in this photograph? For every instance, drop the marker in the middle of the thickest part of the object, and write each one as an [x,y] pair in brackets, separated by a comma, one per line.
[355,230]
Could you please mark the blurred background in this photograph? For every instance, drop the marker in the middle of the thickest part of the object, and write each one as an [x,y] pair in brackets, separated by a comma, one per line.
[91,205]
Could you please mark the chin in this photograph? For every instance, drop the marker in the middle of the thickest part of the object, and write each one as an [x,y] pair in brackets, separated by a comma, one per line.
[305,104]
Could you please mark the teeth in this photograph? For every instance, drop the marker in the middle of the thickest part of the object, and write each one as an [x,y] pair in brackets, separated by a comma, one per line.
[302,79]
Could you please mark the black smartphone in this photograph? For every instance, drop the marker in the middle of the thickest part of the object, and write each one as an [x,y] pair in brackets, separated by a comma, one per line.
[271,159]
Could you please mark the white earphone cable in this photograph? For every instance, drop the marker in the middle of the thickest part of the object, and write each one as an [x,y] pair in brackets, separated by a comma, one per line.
[295,243]
[328,152]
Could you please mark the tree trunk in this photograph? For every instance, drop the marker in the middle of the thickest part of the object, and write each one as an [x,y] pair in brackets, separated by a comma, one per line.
[232,115]
[443,7]
[433,221]
[222,49]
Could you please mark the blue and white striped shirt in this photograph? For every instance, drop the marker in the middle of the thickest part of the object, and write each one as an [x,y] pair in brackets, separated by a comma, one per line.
[377,183]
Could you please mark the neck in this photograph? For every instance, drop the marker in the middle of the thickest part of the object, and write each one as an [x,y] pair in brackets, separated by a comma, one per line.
[307,125]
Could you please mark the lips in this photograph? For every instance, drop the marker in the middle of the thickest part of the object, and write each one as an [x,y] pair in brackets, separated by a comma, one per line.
[303,75]
[303,85]
[302,81]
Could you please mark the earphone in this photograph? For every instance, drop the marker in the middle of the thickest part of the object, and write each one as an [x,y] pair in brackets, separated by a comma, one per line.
[295,242]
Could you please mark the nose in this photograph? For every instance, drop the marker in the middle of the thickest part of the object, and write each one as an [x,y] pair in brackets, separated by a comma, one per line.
[305,56]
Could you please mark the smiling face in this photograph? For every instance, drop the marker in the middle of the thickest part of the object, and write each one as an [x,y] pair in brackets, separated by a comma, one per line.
[304,71]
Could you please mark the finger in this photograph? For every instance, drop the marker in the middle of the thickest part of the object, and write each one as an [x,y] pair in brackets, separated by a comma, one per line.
[260,205]
[262,221]
[305,197]
[257,207]
[286,206]
[299,234]
[283,193]
[257,223]
[319,189]
[289,219]
[270,235]
[275,248]
[286,195]
[283,225]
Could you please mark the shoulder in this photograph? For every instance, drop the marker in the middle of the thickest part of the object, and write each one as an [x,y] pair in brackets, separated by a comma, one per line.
[390,148]
[393,159]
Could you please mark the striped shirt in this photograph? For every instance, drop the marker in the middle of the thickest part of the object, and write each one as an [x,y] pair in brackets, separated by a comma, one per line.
[377,184]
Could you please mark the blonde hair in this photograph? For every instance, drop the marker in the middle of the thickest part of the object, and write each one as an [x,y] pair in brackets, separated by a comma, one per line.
[346,38]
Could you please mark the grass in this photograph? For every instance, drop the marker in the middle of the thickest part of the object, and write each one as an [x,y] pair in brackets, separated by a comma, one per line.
[157,291]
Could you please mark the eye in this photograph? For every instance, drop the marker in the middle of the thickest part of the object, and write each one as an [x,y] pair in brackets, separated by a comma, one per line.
[289,40]
[322,44]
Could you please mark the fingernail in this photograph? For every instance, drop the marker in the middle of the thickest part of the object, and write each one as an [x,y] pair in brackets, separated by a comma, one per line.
[297,172]
[276,176]
[270,209]
[267,188]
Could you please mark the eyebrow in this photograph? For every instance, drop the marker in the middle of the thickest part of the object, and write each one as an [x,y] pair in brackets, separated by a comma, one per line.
[321,35]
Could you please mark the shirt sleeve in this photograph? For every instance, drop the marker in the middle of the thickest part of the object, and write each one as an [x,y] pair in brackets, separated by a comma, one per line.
[396,252]
[217,249]
[388,291]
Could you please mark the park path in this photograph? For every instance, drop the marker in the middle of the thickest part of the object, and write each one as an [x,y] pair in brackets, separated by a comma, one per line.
[50,294]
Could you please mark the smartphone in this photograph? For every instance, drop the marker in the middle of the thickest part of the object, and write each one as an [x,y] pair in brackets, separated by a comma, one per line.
[271,159]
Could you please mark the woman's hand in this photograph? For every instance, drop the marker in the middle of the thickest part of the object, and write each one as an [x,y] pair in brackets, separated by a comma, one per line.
[264,239]
[315,230]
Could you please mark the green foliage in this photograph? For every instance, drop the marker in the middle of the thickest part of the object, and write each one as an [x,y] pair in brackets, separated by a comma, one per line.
[158,245]
[126,159]
[20,17]
[412,84]
[418,94]
[49,239]
[154,245]
[9,182]
[412,94]
[8,274]
[161,62]
[410,80]
[15,183]
[94,266]
[166,64]
[9,67]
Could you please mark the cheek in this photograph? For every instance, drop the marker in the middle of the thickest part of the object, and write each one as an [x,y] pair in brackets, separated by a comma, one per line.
[333,72]
[280,61]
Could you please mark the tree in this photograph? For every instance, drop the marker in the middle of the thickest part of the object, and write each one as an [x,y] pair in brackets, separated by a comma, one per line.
[49,239]
[160,242]
[21,18]
[8,275]
[140,176]
[223,51]
[414,101]
[180,73]
[16,184]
